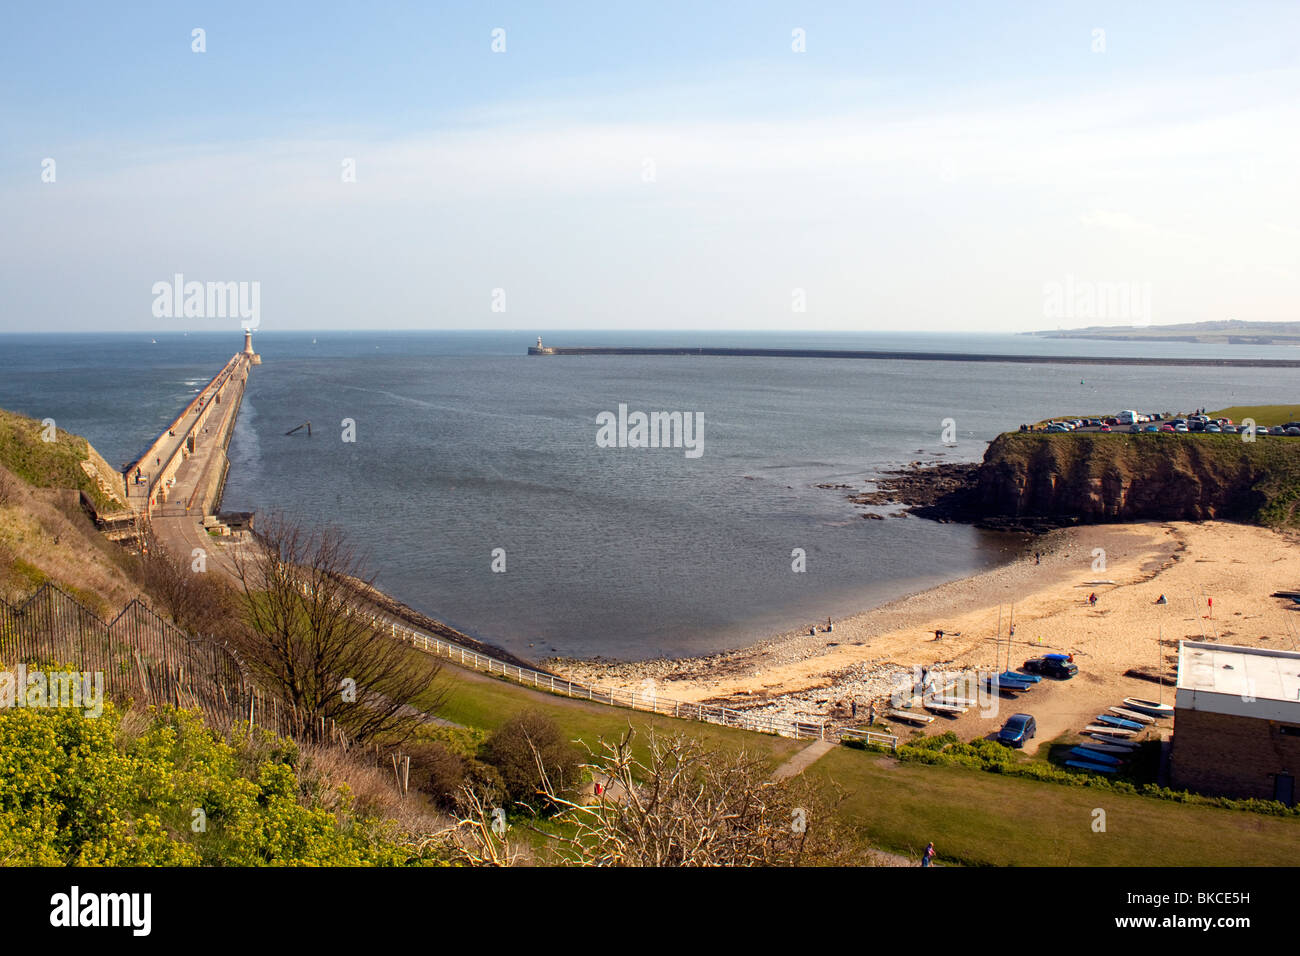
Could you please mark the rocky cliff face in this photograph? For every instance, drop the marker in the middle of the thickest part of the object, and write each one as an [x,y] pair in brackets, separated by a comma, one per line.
[1095,478]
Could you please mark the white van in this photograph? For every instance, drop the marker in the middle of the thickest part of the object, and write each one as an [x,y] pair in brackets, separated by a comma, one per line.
[1128,417]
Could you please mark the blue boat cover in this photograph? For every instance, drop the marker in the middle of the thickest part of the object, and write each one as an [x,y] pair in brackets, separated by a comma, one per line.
[1096,756]
[1119,722]
[1085,765]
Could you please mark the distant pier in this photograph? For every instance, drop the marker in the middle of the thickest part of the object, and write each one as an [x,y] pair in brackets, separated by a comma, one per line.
[886,355]
[182,471]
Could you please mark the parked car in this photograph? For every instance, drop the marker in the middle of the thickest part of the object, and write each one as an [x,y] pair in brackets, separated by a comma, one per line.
[1105,428]
[1151,428]
[1017,730]
[1215,428]
[1051,667]
[1166,427]
[1057,428]
[1182,429]
[1293,431]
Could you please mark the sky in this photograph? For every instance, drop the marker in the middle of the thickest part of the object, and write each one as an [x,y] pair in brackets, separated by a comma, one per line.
[863,166]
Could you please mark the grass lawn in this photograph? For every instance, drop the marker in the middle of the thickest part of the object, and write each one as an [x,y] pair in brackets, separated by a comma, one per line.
[973,816]
[1263,414]
[979,818]
[476,700]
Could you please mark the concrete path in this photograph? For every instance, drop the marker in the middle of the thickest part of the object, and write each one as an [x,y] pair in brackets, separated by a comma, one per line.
[804,759]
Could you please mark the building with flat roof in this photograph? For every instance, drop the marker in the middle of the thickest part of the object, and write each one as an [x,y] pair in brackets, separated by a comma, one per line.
[1236,721]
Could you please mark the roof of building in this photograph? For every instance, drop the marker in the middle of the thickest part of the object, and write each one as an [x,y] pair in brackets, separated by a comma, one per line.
[1243,681]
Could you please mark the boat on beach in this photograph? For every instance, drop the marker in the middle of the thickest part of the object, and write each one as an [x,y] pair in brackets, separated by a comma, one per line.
[946,709]
[1096,756]
[1112,721]
[1109,731]
[1132,715]
[909,717]
[1114,742]
[1121,750]
[1089,765]
[1155,708]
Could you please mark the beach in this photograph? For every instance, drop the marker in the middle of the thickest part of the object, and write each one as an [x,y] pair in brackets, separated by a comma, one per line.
[1116,642]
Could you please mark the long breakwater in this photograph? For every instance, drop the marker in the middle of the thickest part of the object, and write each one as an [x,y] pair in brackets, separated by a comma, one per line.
[886,355]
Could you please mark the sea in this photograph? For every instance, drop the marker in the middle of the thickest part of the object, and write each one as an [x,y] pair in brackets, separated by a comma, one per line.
[476,487]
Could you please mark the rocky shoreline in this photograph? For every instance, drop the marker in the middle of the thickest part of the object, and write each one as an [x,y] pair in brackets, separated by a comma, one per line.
[948,492]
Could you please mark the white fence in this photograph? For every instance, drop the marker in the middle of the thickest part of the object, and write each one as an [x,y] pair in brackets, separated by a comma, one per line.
[870,737]
[615,697]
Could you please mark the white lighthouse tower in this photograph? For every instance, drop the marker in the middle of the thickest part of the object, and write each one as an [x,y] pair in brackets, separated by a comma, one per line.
[253,357]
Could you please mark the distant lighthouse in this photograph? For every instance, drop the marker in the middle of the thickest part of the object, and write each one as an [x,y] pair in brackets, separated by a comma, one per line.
[253,357]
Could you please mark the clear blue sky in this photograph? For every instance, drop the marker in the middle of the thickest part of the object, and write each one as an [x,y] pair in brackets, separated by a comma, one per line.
[920,166]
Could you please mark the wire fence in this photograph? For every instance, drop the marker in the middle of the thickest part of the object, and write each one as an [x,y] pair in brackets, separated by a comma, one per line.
[143,658]
[149,660]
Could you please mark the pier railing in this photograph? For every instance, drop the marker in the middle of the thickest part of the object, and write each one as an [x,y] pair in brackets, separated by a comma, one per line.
[613,696]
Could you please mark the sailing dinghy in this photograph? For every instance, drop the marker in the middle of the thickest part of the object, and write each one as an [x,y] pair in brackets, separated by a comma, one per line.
[1111,721]
[1132,715]
[1110,731]
[1154,708]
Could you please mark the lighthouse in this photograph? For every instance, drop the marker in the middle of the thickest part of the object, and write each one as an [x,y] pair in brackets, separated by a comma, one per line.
[253,357]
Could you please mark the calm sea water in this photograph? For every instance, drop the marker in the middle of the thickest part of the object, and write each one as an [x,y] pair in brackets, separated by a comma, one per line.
[465,445]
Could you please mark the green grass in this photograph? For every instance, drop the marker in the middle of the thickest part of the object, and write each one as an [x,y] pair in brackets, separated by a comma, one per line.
[985,819]
[1262,414]
[53,464]
[488,703]
[975,817]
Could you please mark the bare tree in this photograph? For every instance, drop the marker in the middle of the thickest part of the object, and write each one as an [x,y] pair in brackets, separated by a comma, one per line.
[195,600]
[312,638]
[688,806]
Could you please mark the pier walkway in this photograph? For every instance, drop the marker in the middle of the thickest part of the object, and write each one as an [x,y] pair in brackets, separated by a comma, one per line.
[176,482]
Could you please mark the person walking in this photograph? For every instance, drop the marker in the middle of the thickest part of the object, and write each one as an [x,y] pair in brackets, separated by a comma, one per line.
[1092,599]
[853,709]
[928,855]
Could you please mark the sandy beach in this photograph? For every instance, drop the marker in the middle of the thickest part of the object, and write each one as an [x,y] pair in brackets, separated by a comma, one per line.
[873,654]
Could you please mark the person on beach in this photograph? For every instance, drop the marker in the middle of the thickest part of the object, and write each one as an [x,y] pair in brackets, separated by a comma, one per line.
[1038,558]
[853,709]
[1092,599]
[871,714]
[928,855]
[938,635]
[1162,600]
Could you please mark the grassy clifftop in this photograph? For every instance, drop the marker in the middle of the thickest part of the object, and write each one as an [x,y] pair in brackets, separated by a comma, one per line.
[1120,476]
[58,463]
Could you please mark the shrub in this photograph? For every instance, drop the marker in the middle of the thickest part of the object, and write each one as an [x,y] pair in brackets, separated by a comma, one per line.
[514,751]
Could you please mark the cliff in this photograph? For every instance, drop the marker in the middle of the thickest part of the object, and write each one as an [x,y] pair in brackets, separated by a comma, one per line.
[1089,478]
